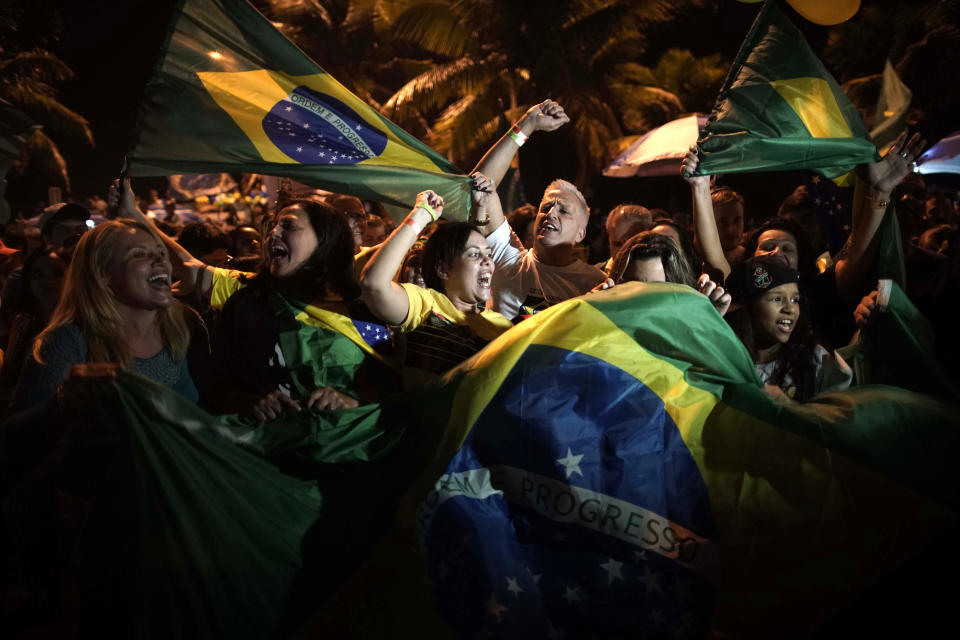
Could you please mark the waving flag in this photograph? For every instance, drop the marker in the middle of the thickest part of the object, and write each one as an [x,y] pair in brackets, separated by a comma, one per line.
[600,470]
[614,471]
[780,109]
[232,94]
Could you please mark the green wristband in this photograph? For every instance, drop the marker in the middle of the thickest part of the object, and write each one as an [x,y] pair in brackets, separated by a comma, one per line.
[426,207]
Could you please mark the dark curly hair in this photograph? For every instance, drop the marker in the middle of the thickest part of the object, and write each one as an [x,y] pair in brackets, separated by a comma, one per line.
[331,263]
[796,356]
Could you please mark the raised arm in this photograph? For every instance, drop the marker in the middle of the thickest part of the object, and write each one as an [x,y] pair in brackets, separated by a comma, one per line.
[384,297]
[488,213]
[871,196]
[191,272]
[705,233]
[546,116]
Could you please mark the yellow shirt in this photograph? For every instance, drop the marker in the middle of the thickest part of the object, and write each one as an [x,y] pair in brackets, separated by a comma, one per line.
[426,302]
[437,336]
[226,282]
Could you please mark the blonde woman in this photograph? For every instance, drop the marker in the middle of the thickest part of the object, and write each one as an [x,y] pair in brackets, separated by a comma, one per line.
[116,307]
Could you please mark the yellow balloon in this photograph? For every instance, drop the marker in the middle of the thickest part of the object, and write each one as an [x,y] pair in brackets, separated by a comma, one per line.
[826,12]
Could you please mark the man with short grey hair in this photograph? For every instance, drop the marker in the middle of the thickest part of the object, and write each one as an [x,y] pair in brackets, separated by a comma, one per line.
[529,280]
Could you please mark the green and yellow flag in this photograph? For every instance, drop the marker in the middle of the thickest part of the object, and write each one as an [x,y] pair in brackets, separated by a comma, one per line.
[780,109]
[232,94]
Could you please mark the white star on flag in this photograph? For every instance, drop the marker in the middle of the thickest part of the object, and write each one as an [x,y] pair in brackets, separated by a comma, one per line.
[513,587]
[650,580]
[289,108]
[612,567]
[571,463]
[571,595]
[306,125]
[299,149]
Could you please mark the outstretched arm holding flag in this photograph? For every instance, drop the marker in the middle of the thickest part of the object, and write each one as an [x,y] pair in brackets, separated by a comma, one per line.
[870,203]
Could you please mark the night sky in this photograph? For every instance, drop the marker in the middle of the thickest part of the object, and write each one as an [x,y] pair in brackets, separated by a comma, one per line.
[112,46]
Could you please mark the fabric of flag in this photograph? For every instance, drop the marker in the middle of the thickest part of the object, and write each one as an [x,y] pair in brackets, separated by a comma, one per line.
[616,471]
[832,204]
[232,94]
[600,470]
[332,344]
[780,109]
[890,118]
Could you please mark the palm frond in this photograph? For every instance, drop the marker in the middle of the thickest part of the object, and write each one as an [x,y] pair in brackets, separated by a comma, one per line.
[47,111]
[468,126]
[43,155]
[436,28]
[359,12]
[39,65]
[436,87]
[581,10]
[593,123]
[300,11]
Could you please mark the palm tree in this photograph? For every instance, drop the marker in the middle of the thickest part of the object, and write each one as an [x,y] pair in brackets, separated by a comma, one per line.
[346,38]
[495,58]
[27,81]
[680,83]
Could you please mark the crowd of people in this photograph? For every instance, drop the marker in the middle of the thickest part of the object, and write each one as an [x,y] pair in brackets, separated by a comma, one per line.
[321,304]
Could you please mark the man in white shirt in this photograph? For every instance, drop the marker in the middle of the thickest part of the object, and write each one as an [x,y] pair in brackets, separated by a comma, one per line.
[529,280]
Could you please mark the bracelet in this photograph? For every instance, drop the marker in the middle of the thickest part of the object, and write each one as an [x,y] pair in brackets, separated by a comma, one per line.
[426,207]
[879,204]
[413,224]
[519,137]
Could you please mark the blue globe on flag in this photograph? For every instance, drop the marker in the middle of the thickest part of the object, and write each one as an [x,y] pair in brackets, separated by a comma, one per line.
[315,128]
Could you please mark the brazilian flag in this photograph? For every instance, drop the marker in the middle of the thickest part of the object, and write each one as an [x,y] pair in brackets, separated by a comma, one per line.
[780,109]
[231,93]
[600,470]
[614,473]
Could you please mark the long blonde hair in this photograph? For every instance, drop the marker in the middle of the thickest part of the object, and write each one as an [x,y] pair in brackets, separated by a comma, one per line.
[90,303]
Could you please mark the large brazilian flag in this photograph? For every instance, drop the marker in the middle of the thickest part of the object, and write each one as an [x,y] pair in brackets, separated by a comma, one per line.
[231,93]
[780,109]
[615,471]
[600,470]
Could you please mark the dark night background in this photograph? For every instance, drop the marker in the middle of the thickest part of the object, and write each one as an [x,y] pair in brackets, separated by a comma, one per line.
[111,45]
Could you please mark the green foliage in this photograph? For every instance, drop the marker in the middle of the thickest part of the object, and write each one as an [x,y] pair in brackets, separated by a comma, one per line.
[495,58]
[27,81]
[457,72]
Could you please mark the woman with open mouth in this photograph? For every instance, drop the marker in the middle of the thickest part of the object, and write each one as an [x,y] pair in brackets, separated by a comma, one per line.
[294,335]
[117,307]
[297,335]
[448,321]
